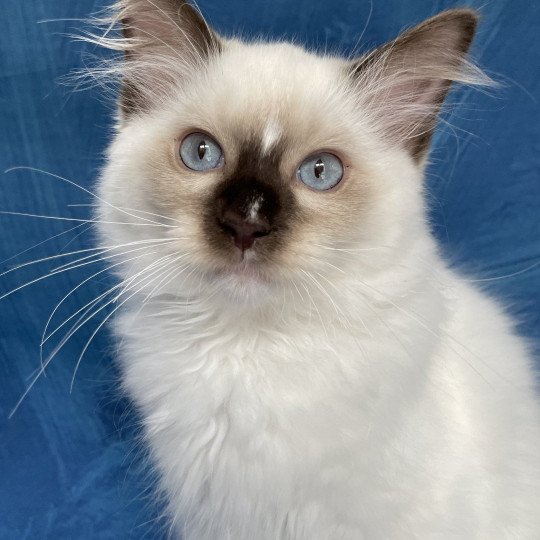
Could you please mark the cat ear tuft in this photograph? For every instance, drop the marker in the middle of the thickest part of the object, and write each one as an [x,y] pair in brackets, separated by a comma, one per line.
[163,41]
[403,84]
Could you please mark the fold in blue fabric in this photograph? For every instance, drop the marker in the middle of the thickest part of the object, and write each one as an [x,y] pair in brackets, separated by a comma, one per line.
[70,462]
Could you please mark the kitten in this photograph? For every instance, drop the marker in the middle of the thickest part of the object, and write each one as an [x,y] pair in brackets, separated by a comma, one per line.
[306,364]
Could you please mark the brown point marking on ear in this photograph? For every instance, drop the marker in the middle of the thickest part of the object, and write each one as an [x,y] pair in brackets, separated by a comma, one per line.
[129,96]
[206,39]
[162,27]
[438,44]
[130,99]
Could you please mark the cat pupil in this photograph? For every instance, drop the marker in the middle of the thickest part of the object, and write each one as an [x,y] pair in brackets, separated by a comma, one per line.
[201,150]
[319,168]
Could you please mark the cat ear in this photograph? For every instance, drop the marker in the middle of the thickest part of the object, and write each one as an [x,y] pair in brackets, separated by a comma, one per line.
[402,84]
[164,41]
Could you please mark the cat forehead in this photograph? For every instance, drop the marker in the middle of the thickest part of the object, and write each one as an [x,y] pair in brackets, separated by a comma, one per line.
[268,93]
[264,75]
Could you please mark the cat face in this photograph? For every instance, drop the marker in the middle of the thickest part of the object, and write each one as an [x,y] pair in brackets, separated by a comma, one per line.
[263,162]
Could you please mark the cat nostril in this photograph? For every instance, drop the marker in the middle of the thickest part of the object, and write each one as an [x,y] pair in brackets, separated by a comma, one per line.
[243,231]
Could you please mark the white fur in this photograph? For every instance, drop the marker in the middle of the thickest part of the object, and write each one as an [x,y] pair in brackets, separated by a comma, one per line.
[384,398]
[271,135]
[254,208]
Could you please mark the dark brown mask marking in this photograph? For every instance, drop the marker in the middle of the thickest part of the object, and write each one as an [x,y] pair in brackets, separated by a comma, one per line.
[253,207]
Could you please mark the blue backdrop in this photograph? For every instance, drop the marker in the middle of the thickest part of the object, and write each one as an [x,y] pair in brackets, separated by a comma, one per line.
[69,463]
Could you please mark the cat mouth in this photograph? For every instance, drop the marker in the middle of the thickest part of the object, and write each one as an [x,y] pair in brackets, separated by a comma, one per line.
[244,268]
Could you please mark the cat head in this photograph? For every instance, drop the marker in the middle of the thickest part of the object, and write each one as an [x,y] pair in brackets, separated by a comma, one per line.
[247,166]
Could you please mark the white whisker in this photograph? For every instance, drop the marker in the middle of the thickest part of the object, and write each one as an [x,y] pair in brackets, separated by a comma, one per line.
[45,337]
[41,243]
[76,327]
[71,182]
[102,323]
[52,273]
[81,220]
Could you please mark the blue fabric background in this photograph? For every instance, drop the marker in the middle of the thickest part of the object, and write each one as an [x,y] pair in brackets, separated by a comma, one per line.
[69,463]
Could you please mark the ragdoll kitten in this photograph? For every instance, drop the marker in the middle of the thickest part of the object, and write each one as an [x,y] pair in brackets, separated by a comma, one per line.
[306,364]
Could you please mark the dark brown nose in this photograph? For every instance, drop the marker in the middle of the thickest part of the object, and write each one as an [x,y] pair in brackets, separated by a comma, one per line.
[244,230]
[246,210]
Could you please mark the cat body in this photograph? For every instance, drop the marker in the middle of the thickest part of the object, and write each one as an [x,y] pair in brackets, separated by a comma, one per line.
[305,363]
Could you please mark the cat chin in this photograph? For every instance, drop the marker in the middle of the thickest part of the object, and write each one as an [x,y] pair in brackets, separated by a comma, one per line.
[244,283]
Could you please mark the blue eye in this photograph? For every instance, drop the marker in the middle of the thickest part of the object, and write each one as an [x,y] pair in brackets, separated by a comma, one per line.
[200,152]
[321,171]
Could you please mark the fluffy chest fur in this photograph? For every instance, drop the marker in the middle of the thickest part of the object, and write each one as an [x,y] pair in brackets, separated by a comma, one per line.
[353,435]
[272,429]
